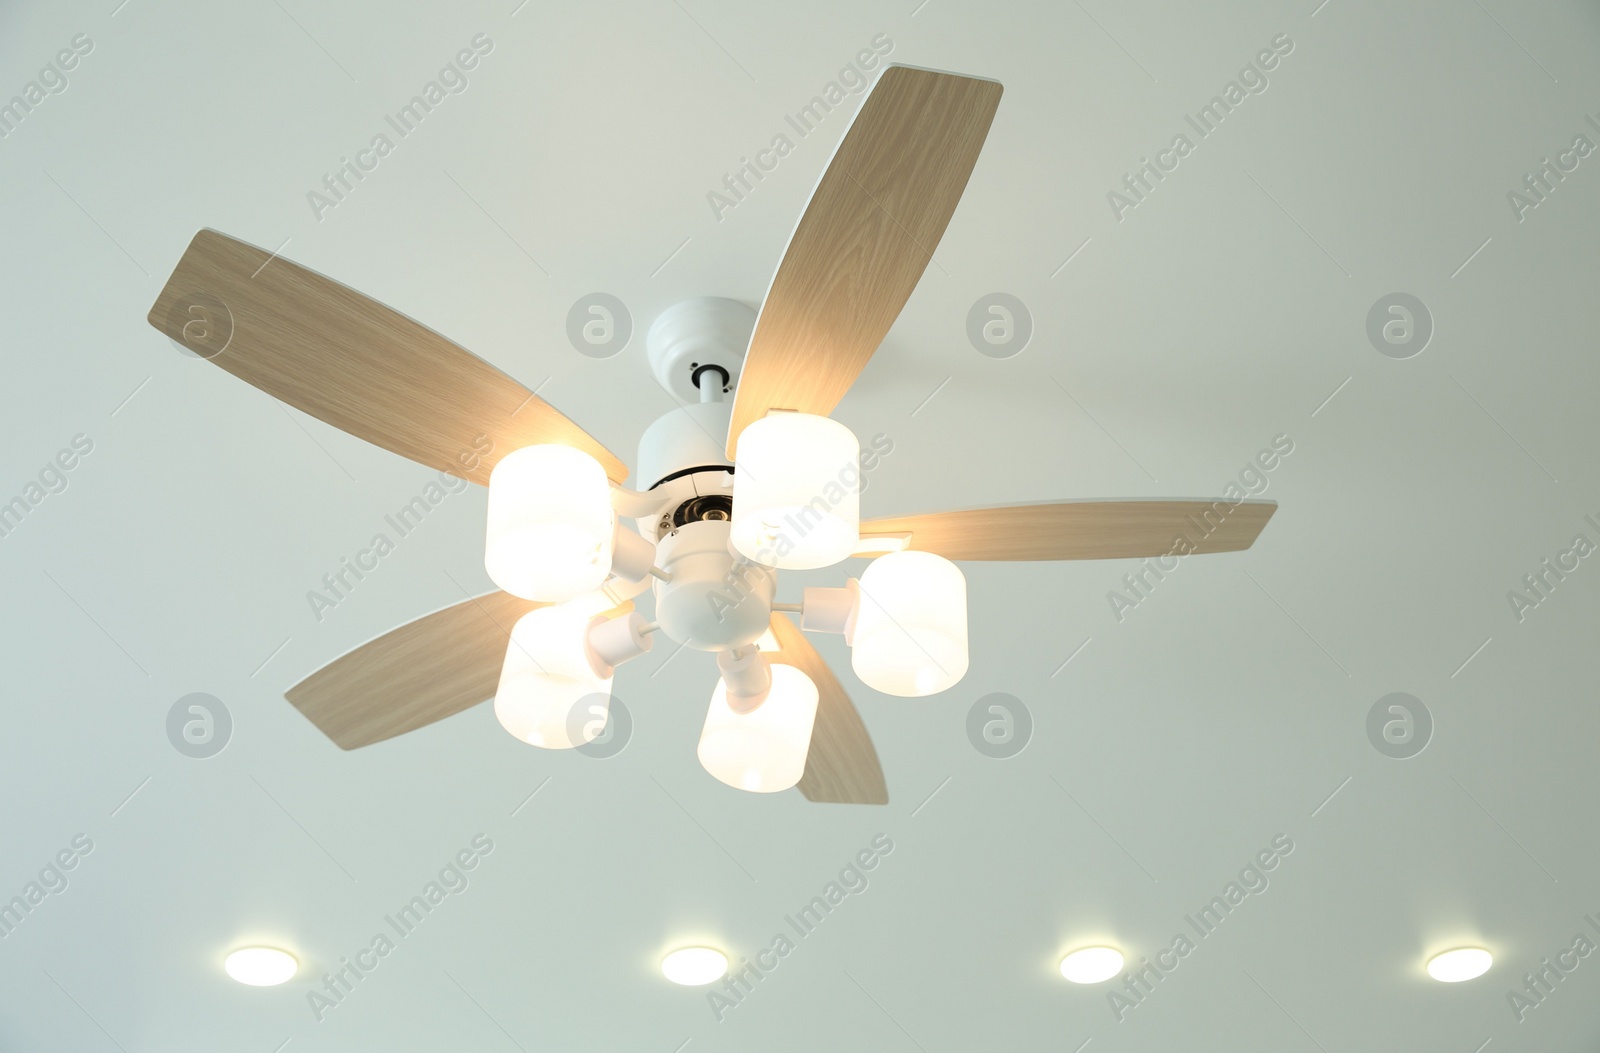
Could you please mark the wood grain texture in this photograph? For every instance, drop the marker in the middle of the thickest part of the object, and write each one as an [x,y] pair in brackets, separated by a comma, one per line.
[842,766]
[348,360]
[865,238]
[1083,529]
[418,674]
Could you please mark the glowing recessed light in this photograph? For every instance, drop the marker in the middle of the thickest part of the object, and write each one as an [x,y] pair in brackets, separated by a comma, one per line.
[694,966]
[261,966]
[1463,963]
[1092,965]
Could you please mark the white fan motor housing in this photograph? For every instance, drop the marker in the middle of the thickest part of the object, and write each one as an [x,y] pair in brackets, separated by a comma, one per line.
[699,336]
[716,599]
[683,440]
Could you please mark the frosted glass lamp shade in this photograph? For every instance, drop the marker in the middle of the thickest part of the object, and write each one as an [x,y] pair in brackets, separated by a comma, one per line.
[551,694]
[550,523]
[763,751]
[910,632]
[796,491]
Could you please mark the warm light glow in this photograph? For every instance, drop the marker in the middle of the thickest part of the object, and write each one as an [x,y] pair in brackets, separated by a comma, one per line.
[878,544]
[1463,963]
[261,966]
[910,633]
[1091,965]
[796,491]
[694,966]
[550,692]
[764,750]
[550,523]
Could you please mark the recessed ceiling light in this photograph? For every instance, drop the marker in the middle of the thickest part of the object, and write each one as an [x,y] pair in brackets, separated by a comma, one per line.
[694,966]
[261,966]
[1092,965]
[1463,963]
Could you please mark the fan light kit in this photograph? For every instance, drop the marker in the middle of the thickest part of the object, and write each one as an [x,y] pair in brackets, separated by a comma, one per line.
[731,492]
[261,966]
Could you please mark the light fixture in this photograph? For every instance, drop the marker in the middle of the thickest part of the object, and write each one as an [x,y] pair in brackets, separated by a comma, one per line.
[763,750]
[1463,963]
[554,690]
[767,458]
[260,966]
[1091,965]
[694,966]
[909,635]
[796,491]
[551,523]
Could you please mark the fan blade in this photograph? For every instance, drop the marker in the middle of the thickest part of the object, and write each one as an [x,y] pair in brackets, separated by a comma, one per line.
[842,767]
[865,238]
[348,360]
[413,676]
[1083,529]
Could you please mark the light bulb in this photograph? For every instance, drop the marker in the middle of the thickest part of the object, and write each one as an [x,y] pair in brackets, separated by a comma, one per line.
[695,966]
[550,523]
[796,491]
[260,966]
[552,692]
[1463,963]
[1091,965]
[762,751]
[910,632]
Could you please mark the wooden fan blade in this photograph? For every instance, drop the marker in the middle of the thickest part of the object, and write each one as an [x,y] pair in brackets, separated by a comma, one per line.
[420,673]
[865,238]
[348,360]
[1083,529]
[842,767]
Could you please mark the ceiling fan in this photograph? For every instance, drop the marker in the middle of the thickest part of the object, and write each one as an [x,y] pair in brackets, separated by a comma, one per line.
[732,492]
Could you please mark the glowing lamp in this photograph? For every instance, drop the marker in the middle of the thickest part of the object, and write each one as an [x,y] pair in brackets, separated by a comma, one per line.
[796,491]
[910,632]
[550,523]
[261,966]
[1092,965]
[695,966]
[765,749]
[1461,964]
[555,692]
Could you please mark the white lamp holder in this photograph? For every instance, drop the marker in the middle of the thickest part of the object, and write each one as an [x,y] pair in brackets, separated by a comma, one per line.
[610,642]
[831,610]
[747,675]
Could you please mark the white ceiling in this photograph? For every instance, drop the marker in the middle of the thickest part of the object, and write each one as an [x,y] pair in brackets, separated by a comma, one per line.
[1174,746]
